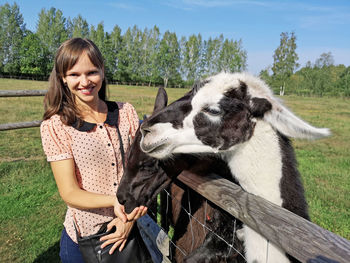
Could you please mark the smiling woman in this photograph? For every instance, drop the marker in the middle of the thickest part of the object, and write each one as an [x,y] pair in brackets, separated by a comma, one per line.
[77,83]
[84,137]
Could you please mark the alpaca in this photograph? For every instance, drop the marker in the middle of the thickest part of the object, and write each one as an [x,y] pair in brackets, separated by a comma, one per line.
[146,176]
[236,117]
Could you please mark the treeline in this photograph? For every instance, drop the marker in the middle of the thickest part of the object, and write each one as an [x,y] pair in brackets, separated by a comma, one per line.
[146,56]
[321,78]
[153,58]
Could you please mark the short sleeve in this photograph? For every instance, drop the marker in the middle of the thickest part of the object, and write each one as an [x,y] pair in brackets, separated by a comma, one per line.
[133,119]
[55,140]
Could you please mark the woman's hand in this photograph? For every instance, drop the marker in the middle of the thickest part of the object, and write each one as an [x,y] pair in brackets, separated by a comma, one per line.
[120,236]
[119,210]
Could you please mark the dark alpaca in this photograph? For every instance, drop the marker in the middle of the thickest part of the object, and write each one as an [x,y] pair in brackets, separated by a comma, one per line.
[146,176]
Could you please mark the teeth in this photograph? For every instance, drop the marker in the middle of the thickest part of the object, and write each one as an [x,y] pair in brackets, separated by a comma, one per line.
[86,90]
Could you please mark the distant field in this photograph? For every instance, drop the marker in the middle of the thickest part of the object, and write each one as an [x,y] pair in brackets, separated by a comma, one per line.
[32,213]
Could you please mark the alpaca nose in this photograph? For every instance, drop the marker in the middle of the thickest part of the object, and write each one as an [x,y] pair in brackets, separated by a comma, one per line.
[121,198]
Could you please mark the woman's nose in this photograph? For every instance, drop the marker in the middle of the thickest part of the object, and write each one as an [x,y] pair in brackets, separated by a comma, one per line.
[84,80]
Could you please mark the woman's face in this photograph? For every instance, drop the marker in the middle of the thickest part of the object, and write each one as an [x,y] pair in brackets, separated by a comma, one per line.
[84,80]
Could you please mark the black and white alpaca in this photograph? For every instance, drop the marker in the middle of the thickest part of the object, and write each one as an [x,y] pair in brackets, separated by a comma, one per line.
[236,117]
[145,176]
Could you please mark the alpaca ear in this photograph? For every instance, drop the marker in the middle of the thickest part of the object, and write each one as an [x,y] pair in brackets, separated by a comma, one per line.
[259,106]
[161,100]
[290,125]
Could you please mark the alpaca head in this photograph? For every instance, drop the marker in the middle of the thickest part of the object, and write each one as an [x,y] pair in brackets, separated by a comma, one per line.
[144,176]
[217,115]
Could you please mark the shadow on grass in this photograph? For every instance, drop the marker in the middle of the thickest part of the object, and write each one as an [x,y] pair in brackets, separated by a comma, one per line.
[51,255]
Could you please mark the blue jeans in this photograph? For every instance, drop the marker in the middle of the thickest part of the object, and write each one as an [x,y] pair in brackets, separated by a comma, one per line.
[69,250]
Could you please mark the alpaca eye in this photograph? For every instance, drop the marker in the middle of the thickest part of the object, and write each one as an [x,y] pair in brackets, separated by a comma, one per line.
[211,111]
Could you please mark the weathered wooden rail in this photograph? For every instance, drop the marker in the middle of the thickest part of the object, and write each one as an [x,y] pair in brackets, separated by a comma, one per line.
[21,93]
[298,237]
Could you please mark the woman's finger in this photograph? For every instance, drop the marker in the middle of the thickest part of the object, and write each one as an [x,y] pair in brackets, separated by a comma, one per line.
[111,224]
[122,245]
[115,246]
[132,215]
[138,215]
[111,241]
[111,236]
[144,211]
[119,210]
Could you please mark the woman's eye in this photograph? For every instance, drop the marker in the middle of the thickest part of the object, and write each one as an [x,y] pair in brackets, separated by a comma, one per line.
[211,111]
[93,72]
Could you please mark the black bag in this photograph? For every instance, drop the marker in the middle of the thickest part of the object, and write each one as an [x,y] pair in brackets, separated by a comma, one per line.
[134,250]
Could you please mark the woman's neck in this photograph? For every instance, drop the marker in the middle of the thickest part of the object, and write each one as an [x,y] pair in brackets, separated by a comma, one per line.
[95,112]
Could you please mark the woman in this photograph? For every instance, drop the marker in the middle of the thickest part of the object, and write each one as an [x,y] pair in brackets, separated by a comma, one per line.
[80,139]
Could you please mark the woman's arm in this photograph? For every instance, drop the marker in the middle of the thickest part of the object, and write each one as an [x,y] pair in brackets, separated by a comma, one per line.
[71,193]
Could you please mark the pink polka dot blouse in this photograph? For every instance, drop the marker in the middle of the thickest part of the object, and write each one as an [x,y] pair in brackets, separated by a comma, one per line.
[96,152]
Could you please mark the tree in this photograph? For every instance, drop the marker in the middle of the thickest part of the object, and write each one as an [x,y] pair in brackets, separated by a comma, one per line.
[51,30]
[192,58]
[325,60]
[80,27]
[136,54]
[98,36]
[343,84]
[32,55]
[285,59]
[169,57]
[211,57]
[133,43]
[124,57]
[121,59]
[116,45]
[232,57]
[265,75]
[12,30]
[104,42]
[150,45]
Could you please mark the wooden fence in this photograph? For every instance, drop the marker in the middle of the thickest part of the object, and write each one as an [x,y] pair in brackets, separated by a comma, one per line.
[300,238]
[21,93]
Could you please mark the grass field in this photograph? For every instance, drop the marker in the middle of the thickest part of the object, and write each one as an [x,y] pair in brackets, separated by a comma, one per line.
[32,213]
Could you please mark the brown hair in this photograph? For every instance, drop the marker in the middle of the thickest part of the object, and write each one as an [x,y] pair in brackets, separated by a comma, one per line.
[59,100]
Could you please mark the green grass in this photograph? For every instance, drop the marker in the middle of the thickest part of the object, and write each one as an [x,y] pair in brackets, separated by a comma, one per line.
[325,164]
[32,212]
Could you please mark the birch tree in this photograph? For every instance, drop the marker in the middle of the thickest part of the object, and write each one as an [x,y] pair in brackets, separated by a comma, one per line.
[285,59]
[169,57]
[232,56]
[51,30]
[12,30]
[192,57]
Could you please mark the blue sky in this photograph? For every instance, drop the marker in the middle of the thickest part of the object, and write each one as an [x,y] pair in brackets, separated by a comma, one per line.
[320,25]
